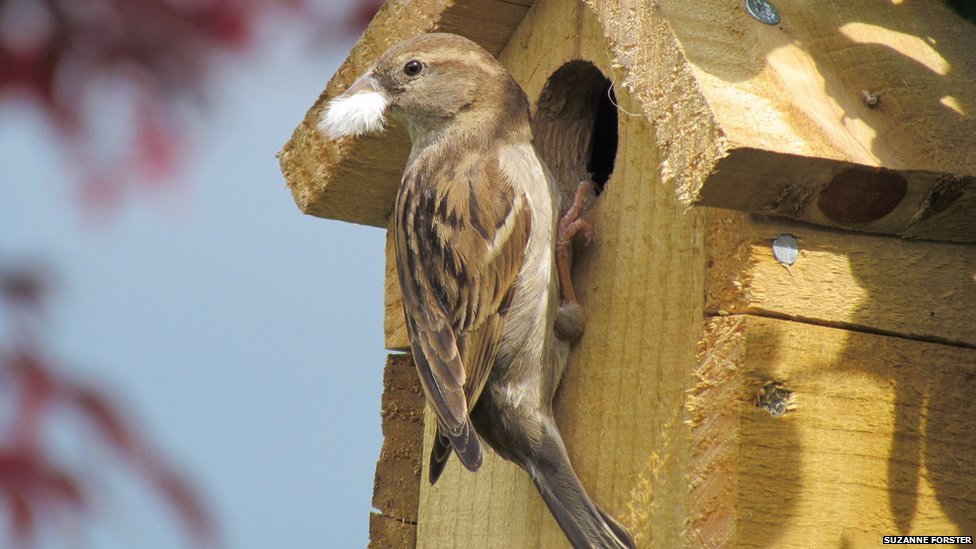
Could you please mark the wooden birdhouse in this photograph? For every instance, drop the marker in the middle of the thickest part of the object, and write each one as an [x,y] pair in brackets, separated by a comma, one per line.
[781,286]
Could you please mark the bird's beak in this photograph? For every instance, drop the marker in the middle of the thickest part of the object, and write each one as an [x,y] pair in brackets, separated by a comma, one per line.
[358,110]
[364,84]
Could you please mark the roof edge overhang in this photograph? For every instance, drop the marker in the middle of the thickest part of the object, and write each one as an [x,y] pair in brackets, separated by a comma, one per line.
[353,179]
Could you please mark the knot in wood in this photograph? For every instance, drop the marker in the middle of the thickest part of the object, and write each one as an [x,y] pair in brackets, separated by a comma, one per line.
[862,195]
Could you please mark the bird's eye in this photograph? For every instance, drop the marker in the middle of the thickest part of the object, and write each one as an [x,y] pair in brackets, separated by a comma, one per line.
[413,67]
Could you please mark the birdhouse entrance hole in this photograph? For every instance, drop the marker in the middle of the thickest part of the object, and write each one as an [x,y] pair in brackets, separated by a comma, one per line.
[575,124]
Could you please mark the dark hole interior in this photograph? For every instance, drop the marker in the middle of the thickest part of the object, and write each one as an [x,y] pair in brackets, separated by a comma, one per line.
[603,149]
[575,125]
[965,8]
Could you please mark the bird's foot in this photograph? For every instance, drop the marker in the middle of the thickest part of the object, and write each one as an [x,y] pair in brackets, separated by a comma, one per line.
[571,225]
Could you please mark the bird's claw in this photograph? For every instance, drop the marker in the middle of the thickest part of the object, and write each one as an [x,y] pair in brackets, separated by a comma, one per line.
[579,228]
[569,227]
[571,224]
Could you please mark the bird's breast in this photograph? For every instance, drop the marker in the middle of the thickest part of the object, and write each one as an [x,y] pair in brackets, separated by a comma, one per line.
[532,308]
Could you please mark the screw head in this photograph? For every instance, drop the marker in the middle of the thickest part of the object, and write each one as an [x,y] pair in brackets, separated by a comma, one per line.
[763,11]
[776,399]
[786,249]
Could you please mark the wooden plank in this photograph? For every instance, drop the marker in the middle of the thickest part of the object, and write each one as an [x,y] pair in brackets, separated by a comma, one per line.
[620,405]
[395,335]
[917,289]
[386,532]
[798,138]
[356,179]
[397,482]
[771,119]
[880,441]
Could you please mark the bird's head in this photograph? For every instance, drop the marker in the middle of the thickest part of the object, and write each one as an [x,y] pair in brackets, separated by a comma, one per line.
[432,83]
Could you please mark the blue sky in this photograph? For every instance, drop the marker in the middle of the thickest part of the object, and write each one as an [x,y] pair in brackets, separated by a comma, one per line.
[245,336]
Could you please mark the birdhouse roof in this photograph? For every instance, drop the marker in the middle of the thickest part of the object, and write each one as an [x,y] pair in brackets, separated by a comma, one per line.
[860,116]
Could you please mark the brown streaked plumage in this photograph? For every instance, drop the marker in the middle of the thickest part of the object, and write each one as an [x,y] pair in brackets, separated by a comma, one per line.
[475,228]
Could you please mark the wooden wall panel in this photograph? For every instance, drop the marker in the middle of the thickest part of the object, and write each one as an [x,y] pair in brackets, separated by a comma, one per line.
[912,288]
[880,440]
[396,487]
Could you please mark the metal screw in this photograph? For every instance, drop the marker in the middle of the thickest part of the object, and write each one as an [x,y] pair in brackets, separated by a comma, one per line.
[763,11]
[871,99]
[786,249]
[776,399]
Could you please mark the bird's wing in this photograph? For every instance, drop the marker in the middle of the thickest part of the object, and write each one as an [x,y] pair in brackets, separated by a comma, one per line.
[461,233]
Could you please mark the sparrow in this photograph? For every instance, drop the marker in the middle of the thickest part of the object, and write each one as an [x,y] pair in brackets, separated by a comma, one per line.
[481,260]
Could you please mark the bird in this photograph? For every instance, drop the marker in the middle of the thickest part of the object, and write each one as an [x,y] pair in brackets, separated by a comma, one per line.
[481,252]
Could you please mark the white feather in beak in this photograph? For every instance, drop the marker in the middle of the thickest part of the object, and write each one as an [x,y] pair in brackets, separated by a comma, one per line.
[360,109]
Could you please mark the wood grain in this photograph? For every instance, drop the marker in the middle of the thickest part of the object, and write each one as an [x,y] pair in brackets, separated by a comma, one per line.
[788,104]
[386,532]
[915,289]
[880,442]
[395,336]
[397,481]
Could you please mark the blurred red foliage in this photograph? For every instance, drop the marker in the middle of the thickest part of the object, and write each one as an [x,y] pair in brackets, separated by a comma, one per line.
[61,52]
[58,53]
[34,483]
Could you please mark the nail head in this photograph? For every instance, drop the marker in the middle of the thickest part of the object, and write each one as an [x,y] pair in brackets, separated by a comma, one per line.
[763,11]
[786,249]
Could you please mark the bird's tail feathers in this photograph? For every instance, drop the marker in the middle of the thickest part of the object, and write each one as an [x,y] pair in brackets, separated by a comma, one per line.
[439,455]
[583,522]
[465,444]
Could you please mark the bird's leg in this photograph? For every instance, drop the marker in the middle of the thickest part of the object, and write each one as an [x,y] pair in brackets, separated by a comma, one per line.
[570,225]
